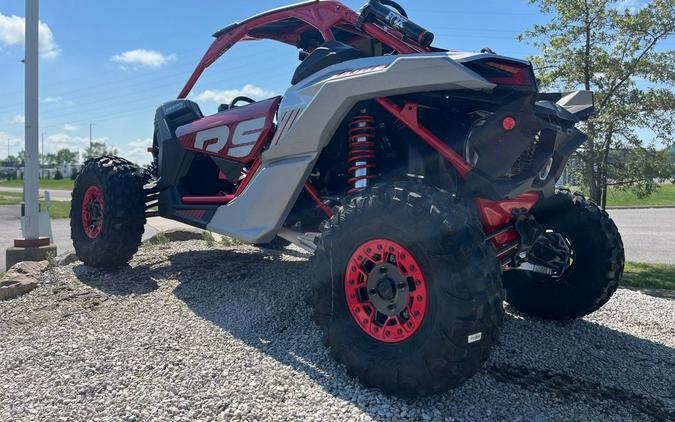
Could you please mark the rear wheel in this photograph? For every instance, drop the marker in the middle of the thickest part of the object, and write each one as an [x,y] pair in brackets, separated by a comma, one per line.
[596,266]
[407,294]
[107,213]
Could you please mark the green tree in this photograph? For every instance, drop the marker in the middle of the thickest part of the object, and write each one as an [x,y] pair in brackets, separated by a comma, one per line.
[65,157]
[97,149]
[618,54]
[14,161]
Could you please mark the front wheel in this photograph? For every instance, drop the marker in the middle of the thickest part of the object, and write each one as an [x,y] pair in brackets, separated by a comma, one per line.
[596,266]
[107,213]
[408,296]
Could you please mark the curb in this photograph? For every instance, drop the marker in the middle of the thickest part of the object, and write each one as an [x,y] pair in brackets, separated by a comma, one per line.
[640,207]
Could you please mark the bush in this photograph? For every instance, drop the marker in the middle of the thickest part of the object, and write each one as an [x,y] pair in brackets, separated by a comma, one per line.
[58,175]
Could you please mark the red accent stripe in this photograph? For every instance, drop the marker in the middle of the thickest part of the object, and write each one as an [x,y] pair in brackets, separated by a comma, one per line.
[208,200]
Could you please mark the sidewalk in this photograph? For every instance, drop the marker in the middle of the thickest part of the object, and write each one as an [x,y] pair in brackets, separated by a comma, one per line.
[55,194]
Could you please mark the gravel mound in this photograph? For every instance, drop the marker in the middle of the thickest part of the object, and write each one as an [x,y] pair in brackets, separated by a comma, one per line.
[192,332]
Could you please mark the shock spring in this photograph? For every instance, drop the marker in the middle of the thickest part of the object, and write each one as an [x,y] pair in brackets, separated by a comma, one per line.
[361,159]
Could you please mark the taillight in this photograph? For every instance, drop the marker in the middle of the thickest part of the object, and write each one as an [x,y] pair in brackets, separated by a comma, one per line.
[503,72]
[514,74]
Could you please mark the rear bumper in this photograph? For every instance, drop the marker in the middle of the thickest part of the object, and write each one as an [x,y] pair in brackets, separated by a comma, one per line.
[533,155]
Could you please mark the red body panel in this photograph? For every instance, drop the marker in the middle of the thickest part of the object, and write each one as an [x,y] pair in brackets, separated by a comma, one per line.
[496,214]
[237,134]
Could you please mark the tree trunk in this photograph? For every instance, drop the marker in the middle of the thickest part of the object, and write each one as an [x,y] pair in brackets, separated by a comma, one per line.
[592,178]
[605,164]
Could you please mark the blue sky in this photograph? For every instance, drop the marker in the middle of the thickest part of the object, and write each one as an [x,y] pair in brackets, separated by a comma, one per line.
[112,63]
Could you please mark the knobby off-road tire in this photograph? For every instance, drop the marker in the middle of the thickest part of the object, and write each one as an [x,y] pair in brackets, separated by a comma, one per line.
[595,273]
[107,213]
[462,287]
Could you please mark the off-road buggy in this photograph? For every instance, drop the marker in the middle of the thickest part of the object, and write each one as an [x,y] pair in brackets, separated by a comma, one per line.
[422,180]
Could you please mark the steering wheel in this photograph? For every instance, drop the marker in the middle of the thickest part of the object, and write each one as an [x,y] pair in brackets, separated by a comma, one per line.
[235,100]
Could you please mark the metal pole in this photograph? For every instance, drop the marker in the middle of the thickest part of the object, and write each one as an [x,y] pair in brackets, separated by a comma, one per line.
[42,156]
[30,187]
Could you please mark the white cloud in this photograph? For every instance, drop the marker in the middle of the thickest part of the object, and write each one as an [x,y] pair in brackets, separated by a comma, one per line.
[70,128]
[137,151]
[225,96]
[13,31]
[19,119]
[143,58]
[60,140]
[48,100]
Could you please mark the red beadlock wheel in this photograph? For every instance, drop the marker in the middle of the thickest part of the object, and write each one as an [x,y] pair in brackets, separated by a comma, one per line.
[386,291]
[92,211]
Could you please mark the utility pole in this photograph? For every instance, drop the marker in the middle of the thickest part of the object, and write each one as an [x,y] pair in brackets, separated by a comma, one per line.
[42,157]
[30,188]
[31,247]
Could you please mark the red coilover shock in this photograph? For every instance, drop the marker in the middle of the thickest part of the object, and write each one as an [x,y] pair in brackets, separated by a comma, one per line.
[361,151]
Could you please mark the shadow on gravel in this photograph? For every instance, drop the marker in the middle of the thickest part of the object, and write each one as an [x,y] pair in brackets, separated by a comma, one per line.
[123,281]
[260,297]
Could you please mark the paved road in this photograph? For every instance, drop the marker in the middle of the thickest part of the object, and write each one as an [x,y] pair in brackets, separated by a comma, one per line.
[55,194]
[648,234]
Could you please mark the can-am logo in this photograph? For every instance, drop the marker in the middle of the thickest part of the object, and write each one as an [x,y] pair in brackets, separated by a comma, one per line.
[396,20]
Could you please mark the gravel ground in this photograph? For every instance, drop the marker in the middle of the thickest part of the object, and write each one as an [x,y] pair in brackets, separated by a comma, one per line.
[191,332]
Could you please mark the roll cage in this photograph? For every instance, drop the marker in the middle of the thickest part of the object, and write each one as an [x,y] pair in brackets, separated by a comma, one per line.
[302,25]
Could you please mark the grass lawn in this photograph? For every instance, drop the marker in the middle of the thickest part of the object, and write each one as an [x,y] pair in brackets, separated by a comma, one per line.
[59,209]
[64,184]
[649,276]
[619,198]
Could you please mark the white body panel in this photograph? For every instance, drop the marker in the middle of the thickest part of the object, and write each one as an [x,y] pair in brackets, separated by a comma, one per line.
[309,114]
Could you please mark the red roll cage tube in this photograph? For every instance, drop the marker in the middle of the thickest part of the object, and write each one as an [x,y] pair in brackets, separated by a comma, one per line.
[322,15]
